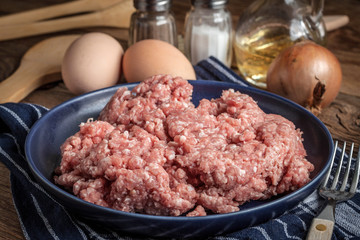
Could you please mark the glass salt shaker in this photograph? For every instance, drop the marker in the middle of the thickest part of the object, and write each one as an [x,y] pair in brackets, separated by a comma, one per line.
[152,20]
[208,31]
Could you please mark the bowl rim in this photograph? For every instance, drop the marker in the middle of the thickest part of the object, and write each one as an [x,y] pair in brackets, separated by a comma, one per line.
[270,203]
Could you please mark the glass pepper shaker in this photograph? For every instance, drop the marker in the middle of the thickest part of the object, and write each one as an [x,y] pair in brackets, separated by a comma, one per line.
[208,31]
[152,20]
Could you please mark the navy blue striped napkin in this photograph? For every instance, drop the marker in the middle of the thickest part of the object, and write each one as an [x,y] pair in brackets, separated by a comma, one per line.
[41,217]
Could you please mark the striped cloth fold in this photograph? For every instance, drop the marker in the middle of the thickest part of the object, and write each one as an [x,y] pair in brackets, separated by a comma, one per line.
[42,217]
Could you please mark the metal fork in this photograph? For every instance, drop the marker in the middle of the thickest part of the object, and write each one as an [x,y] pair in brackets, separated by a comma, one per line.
[322,226]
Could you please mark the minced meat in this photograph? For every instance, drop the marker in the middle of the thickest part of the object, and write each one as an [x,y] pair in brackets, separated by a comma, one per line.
[152,151]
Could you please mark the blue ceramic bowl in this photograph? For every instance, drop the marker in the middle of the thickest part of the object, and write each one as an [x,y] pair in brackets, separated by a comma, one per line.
[43,154]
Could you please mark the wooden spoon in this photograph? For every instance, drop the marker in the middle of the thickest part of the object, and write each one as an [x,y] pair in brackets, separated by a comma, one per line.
[40,65]
[57,10]
[115,16]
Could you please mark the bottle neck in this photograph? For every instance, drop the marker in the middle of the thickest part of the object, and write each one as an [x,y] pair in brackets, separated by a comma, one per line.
[152,5]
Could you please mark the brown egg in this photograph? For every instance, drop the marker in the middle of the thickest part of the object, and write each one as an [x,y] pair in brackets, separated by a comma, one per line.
[92,61]
[151,57]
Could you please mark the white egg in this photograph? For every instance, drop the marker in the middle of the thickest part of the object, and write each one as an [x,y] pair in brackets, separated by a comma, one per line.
[92,62]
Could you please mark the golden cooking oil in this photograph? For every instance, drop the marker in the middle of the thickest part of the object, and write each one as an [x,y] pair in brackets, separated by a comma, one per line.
[254,52]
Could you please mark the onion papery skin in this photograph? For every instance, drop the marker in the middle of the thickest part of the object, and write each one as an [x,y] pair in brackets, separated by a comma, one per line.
[307,74]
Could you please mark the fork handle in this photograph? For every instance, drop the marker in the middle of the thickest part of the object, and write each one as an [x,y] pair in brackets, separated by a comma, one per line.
[321,229]
[323,225]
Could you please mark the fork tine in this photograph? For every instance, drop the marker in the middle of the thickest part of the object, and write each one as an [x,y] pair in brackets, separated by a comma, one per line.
[326,179]
[356,174]
[346,176]
[338,170]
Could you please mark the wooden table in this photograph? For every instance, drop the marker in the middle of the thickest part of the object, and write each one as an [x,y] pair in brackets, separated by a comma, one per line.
[342,117]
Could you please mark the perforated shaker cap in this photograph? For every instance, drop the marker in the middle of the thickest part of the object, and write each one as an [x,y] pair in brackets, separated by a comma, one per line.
[152,5]
[213,4]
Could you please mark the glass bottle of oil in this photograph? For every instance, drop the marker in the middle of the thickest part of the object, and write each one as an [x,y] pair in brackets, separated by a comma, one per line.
[269,26]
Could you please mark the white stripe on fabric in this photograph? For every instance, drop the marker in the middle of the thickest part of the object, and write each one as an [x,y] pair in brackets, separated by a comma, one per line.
[91,231]
[22,171]
[23,228]
[342,232]
[350,202]
[37,106]
[226,73]
[18,119]
[83,235]
[285,229]
[313,197]
[310,204]
[309,208]
[45,108]
[263,232]
[225,238]
[345,218]
[304,209]
[45,220]
[302,222]
[39,188]
[16,143]
[36,109]
[118,237]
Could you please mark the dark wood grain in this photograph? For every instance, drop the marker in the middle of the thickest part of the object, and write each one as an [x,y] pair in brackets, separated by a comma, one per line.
[9,223]
[342,117]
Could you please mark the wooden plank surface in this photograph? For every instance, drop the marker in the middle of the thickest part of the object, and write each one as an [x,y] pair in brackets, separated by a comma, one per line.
[342,117]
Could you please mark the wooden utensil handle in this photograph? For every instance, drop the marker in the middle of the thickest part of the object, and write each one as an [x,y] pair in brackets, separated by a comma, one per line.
[117,16]
[56,11]
[31,29]
[333,22]
[24,81]
[320,229]
[43,13]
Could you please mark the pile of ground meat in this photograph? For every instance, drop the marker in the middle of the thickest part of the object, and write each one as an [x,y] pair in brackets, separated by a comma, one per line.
[152,151]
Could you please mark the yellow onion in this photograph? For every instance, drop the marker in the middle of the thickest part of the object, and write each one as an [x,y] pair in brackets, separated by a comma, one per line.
[307,74]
